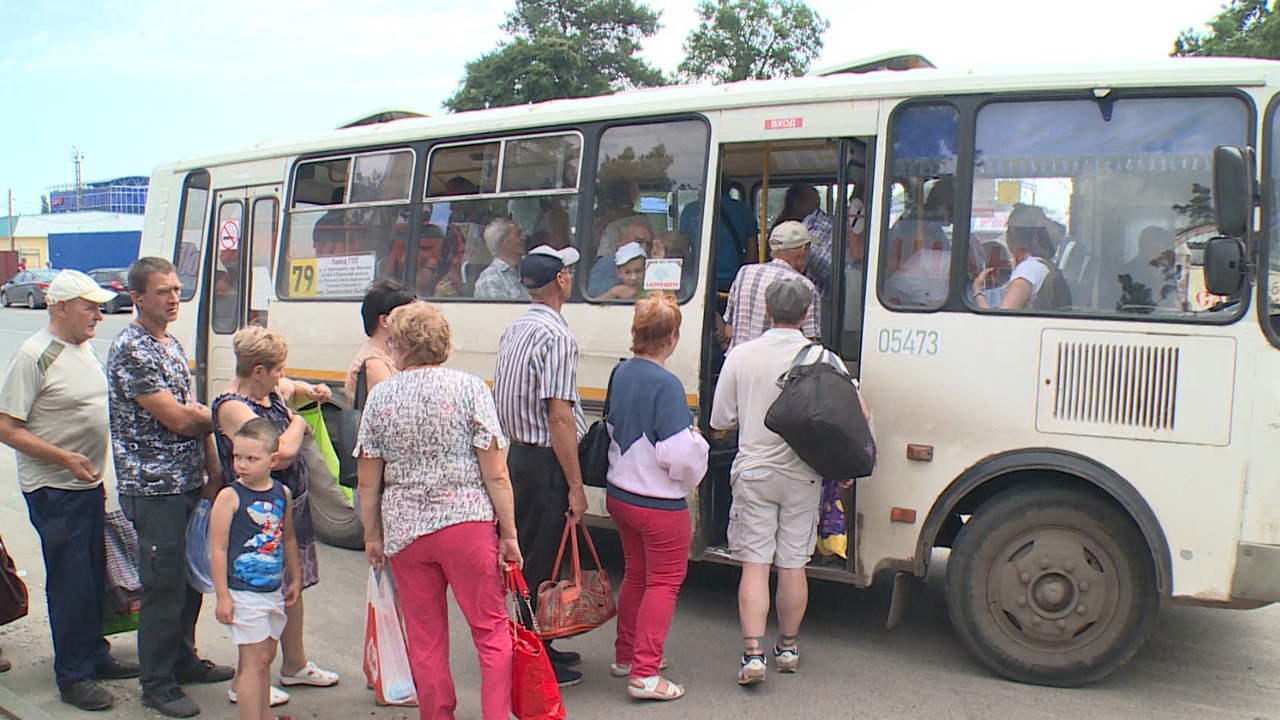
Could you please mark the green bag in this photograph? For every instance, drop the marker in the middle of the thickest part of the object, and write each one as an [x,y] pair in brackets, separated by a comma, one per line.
[122,622]
[315,418]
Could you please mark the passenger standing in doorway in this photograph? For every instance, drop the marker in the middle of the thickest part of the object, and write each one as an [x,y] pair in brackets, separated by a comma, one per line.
[535,386]
[746,317]
[774,513]
[159,437]
[803,204]
[53,412]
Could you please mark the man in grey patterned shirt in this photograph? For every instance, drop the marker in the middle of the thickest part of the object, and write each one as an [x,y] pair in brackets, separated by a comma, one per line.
[158,437]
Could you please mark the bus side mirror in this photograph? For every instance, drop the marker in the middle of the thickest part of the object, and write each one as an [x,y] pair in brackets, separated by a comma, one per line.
[1232,190]
[1224,266]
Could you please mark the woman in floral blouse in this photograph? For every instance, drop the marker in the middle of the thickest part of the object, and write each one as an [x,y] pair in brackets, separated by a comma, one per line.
[430,438]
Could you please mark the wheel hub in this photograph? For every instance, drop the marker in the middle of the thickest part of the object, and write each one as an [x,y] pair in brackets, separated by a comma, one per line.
[1053,587]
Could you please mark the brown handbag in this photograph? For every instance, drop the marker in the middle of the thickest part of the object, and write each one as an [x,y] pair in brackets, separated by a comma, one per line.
[13,592]
[581,602]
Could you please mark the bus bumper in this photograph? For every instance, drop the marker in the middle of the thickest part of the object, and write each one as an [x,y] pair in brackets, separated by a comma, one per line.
[1257,575]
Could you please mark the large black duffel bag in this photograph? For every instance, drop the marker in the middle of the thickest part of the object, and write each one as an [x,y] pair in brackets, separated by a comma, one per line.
[819,415]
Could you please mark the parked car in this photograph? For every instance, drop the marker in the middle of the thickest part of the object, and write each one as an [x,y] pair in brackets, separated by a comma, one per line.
[117,281]
[27,287]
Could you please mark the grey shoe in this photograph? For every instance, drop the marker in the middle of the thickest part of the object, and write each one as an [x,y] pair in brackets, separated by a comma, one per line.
[173,703]
[88,695]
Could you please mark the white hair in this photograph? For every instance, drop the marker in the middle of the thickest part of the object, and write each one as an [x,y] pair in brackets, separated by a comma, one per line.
[494,231]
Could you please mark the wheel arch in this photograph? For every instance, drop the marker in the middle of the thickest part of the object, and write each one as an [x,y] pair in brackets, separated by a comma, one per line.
[1041,466]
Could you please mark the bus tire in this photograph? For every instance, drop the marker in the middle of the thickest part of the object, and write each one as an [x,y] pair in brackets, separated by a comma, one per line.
[1051,586]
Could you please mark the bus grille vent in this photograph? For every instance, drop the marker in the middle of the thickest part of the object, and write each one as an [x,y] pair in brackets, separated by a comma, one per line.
[1115,384]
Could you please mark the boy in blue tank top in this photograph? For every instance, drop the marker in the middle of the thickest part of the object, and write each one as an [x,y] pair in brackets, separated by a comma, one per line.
[251,539]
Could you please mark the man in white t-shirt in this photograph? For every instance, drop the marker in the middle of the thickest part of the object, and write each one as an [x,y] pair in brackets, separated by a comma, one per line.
[53,412]
[773,517]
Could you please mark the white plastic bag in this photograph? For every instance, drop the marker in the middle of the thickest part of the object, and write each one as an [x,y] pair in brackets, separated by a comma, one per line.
[386,658]
[199,570]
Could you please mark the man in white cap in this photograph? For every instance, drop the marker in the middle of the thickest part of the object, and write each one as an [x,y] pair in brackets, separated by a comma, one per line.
[535,386]
[53,412]
[746,318]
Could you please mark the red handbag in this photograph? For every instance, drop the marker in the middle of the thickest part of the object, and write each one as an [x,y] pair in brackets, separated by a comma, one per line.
[13,592]
[535,694]
[582,602]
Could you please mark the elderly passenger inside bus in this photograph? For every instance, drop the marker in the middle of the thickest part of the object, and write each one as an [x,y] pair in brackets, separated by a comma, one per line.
[501,279]
[604,275]
[1031,243]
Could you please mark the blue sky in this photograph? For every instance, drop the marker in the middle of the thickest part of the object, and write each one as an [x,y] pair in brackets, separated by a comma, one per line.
[134,83]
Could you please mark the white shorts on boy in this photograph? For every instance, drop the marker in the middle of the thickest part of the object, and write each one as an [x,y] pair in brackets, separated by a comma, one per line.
[256,616]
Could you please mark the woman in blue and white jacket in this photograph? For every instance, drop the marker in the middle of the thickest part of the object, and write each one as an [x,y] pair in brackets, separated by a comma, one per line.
[656,454]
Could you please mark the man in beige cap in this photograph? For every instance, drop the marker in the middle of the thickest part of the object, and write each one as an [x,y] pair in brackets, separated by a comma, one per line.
[53,412]
[746,318]
[774,512]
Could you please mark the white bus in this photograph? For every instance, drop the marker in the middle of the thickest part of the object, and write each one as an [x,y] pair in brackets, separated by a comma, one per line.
[1086,464]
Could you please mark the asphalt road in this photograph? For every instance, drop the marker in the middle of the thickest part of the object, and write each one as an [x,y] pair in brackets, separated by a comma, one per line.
[1200,663]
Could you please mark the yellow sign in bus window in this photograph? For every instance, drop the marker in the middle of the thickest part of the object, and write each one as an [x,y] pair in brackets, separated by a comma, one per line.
[302,278]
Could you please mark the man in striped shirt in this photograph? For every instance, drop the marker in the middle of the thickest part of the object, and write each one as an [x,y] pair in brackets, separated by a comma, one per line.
[535,386]
[746,318]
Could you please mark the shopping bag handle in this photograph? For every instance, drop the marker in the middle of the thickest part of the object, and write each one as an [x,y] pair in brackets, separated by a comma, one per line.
[518,595]
[576,562]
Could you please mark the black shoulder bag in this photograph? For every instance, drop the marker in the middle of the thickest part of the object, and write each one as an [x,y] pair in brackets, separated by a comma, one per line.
[349,430]
[819,415]
[593,449]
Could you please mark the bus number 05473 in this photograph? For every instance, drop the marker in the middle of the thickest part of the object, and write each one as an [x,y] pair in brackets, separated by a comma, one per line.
[906,341]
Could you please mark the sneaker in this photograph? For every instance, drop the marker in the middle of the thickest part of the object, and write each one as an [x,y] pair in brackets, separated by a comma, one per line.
[173,703]
[117,669]
[88,695]
[787,660]
[206,671]
[312,675]
[752,670]
[277,697]
[566,677]
[566,658]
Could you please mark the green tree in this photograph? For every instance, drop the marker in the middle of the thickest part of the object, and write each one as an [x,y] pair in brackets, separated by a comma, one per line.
[562,49]
[1244,28]
[752,39]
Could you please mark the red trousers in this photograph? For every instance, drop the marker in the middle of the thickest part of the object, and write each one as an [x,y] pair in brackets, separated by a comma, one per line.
[464,557]
[655,549]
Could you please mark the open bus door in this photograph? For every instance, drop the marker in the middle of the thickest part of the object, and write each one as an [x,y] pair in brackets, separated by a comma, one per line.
[839,170]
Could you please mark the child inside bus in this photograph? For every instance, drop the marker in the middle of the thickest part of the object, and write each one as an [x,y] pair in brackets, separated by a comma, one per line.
[629,260]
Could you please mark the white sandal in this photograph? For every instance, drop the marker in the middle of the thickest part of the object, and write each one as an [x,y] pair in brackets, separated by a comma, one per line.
[652,689]
[278,696]
[312,675]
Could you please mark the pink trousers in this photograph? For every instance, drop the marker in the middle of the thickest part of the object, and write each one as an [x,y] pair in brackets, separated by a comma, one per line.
[464,557]
[655,549]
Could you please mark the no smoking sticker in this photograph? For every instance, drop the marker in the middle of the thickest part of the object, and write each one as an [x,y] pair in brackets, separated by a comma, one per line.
[229,235]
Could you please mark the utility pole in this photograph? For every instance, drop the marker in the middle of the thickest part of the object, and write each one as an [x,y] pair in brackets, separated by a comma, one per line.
[79,159]
[8,221]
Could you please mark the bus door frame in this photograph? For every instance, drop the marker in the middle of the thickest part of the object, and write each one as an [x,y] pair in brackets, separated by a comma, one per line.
[216,366]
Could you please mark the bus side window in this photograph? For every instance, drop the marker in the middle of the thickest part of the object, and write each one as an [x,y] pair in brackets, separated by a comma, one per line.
[348,221]
[915,255]
[642,169]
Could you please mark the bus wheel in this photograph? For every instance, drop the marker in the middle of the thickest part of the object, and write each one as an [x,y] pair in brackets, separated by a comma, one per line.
[1051,586]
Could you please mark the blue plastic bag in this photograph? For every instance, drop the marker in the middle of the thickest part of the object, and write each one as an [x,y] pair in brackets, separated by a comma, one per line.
[199,572]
